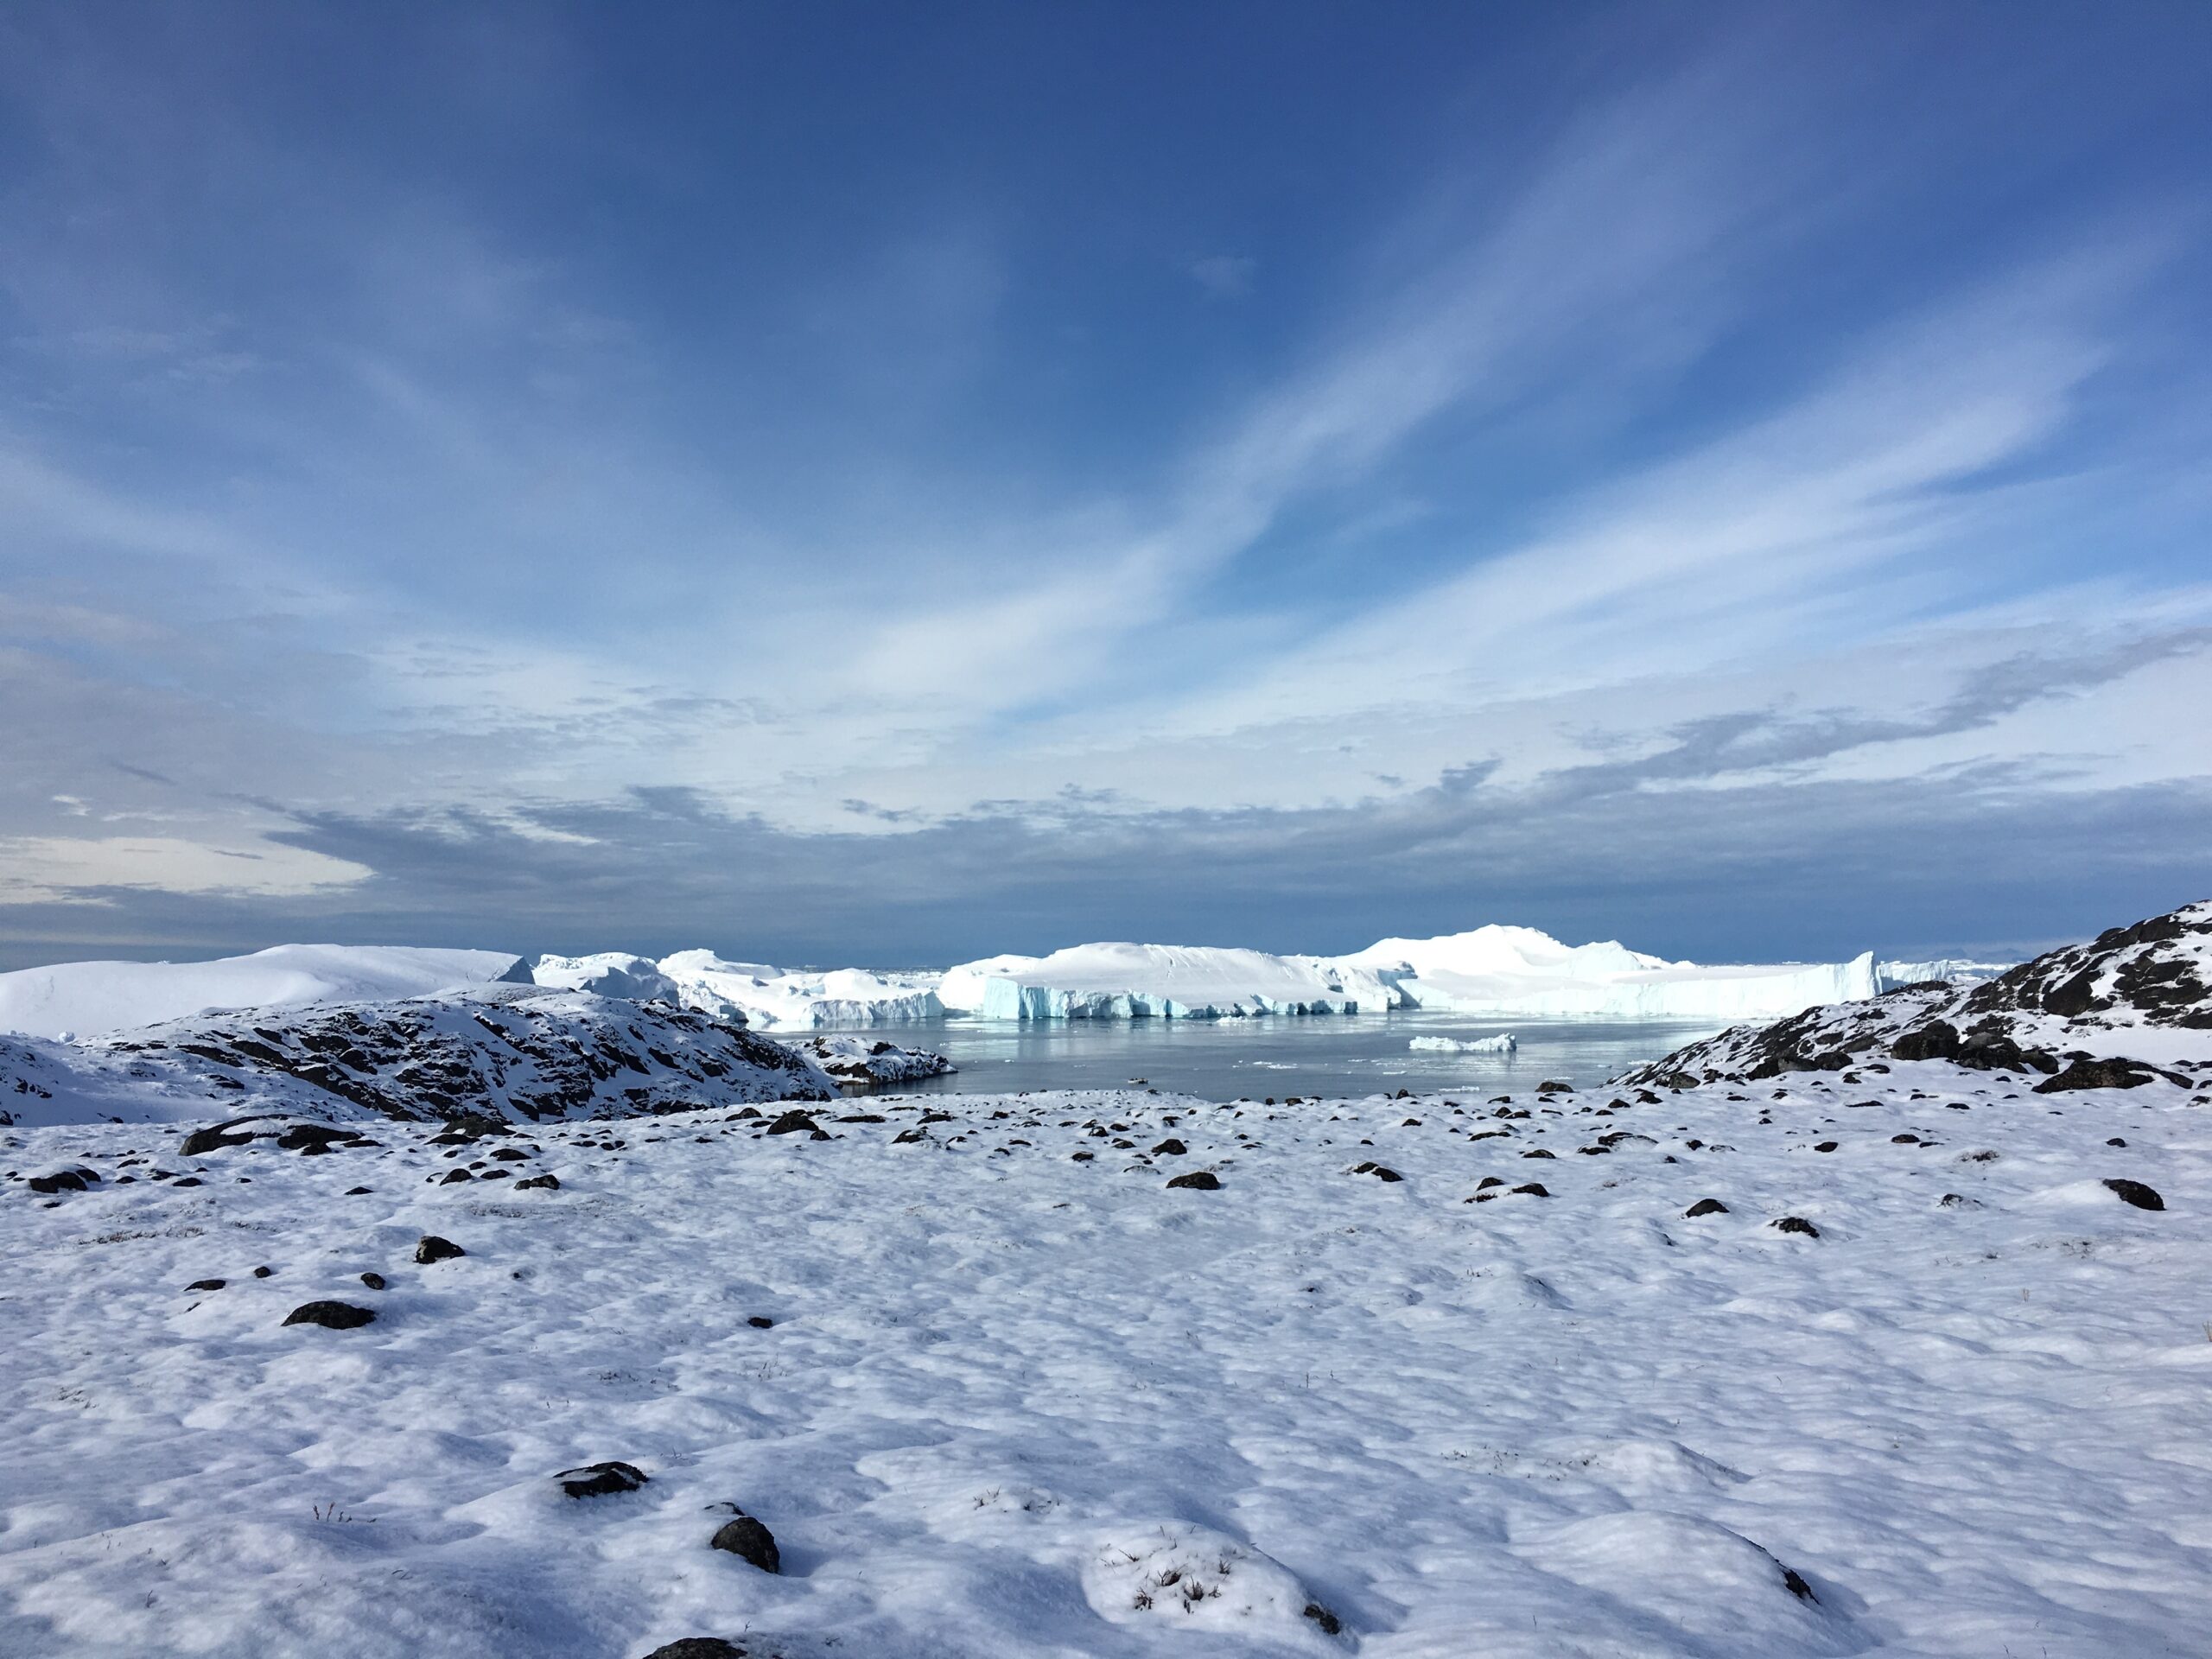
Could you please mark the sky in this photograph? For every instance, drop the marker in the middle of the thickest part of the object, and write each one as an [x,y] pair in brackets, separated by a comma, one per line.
[881,485]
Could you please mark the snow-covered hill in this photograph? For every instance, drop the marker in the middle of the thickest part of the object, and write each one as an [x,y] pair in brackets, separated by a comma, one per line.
[2131,1002]
[507,1050]
[83,998]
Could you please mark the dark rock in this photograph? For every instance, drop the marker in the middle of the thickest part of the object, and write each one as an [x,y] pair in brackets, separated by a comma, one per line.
[431,1248]
[1825,1146]
[1793,1581]
[214,1138]
[205,1284]
[2116,1142]
[793,1123]
[64,1180]
[1534,1190]
[1797,1224]
[601,1479]
[698,1647]
[2135,1192]
[1556,1088]
[2100,1074]
[1198,1180]
[1171,1148]
[1706,1207]
[1538,1152]
[357,1192]
[453,1175]
[1330,1623]
[747,1539]
[761,1322]
[1489,1180]
[1936,1040]
[1383,1173]
[549,1182]
[331,1316]
[373,1281]
[264,1273]
[1958,1201]
[314,1138]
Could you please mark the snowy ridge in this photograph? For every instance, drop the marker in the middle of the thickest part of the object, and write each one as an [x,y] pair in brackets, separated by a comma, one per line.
[2135,999]
[83,998]
[507,1050]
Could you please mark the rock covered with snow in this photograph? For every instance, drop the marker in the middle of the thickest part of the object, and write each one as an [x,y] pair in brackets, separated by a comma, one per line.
[86,999]
[507,1050]
[862,1064]
[2112,1012]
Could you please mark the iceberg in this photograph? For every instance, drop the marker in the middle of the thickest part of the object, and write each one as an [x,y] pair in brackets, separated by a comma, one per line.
[81,999]
[1160,981]
[1518,970]
[1503,1042]
[1950,970]
[607,973]
[1495,970]
[756,993]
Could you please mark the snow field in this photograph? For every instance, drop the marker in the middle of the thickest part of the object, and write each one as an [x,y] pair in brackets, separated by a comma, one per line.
[1006,1394]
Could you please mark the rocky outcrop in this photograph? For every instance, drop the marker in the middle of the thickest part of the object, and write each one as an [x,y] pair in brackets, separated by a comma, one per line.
[2065,1018]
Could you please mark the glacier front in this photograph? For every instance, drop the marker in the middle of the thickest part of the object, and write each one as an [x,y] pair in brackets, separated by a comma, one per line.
[1494,971]
[1165,981]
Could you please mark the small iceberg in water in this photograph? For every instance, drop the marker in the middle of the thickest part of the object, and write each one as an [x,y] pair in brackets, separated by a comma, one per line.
[1501,1044]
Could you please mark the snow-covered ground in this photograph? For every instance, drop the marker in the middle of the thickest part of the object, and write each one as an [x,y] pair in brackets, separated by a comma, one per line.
[83,998]
[1014,1400]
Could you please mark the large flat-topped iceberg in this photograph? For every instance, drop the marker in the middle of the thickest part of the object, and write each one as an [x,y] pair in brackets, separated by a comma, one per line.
[83,999]
[1491,970]
[1519,970]
[1168,981]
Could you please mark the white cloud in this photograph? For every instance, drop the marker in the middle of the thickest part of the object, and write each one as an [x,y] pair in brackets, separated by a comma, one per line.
[54,869]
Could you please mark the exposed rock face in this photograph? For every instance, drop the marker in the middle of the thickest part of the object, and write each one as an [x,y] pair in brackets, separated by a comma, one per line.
[2063,1018]
[503,1052]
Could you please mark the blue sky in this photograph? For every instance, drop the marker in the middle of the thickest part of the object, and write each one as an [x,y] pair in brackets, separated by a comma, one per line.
[878,484]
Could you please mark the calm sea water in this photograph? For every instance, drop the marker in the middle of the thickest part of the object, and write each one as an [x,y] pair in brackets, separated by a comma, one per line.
[1229,1060]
